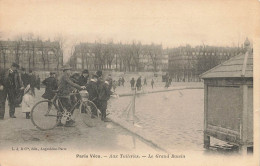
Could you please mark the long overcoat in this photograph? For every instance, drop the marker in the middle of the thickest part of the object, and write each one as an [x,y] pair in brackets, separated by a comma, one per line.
[51,84]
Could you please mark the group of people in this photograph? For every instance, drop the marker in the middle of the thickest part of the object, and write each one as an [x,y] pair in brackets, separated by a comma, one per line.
[99,90]
[15,84]
[138,83]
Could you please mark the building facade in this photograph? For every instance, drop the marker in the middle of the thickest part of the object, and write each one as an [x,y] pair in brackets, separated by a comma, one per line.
[32,55]
[119,57]
[186,63]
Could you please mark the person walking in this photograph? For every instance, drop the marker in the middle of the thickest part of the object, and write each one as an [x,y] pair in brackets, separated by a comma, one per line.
[119,81]
[132,82]
[145,82]
[10,84]
[123,81]
[139,83]
[103,95]
[114,85]
[51,84]
[152,83]
[66,86]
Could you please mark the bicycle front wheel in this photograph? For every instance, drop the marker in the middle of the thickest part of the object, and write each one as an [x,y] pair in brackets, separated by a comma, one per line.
[44,115]
[89,113]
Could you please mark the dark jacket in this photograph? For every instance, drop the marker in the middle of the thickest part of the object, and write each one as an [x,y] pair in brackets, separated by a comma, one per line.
[132,82]
[66,86]
[92,90]
[103,90]
[51,84]
[83,80]
[26,79]
[11,79]
[139,82]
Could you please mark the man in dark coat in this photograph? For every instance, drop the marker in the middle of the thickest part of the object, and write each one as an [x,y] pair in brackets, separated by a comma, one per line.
[139,83]
[10,84]
[132,82]
[103,95]
[83,79]
[93,92]
[51,84]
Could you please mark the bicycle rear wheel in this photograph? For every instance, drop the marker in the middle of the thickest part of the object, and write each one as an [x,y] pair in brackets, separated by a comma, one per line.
[43,118]
[89,113]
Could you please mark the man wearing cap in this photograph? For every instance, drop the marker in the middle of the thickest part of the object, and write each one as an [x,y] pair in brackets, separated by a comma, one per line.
[103,95]
[83,79]
[66,86]
[51,84]
[10,83]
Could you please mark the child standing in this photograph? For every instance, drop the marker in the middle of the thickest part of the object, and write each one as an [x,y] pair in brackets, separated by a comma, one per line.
[27,102]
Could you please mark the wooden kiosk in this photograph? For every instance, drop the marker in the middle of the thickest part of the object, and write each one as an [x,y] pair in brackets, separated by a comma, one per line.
[228,101]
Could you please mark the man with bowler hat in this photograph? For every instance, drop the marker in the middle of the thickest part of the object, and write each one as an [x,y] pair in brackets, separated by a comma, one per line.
[10,84]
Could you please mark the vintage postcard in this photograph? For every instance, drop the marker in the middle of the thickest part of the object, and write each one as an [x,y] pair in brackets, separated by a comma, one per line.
[129,82]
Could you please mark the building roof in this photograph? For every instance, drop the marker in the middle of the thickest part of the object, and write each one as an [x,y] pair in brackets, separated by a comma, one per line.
[236,67]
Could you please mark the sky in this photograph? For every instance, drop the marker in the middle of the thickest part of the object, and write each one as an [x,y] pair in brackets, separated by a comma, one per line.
[168,22]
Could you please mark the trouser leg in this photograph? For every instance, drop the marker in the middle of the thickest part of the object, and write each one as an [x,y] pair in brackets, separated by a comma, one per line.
[11,101]
[3,96]
[103,109]
[66,103]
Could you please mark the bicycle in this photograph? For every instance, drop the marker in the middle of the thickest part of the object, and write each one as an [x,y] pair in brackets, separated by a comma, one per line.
[45,117]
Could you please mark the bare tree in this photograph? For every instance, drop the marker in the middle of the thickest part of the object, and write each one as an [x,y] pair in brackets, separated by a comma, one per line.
[59,50]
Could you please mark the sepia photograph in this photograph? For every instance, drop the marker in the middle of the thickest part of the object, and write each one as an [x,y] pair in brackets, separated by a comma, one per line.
[127,82]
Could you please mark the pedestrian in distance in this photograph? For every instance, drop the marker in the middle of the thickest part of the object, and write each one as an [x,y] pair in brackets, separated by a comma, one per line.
[132,82]
[139,83]
[28,101]
[123,81]
[145,82]
[119,81]
[51,84]
[10,84]
[114,85]
[152,83]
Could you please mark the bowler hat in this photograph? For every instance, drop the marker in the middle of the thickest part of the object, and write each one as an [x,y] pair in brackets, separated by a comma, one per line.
[66,67]
[15,65]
